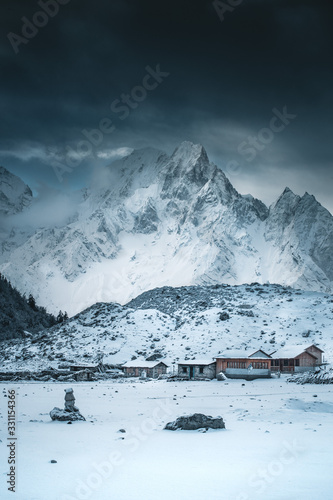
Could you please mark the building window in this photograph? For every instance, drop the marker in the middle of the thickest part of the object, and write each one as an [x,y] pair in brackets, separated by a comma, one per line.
[296,362]
[201,370]
[184,369]
[286,362]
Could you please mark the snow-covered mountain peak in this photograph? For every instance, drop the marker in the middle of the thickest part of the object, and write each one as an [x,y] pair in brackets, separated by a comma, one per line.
[287,190]
[138,169]
[156,220]
[308,199]
[187,172]
[287,201]
[15,195]
[143,157]
[189,153]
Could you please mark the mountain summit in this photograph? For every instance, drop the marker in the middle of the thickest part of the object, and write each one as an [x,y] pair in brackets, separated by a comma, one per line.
[155,220]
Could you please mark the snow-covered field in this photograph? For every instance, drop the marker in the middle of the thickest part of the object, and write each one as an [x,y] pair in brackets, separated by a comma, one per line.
[277,444]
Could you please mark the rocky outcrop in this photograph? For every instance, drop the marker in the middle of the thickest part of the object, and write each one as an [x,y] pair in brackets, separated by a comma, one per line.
[194,422]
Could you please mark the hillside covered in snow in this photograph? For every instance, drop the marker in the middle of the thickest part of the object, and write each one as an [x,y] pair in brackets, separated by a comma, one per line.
[182,323]
[152,220]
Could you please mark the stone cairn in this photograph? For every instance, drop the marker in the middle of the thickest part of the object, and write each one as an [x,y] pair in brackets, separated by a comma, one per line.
[70,412]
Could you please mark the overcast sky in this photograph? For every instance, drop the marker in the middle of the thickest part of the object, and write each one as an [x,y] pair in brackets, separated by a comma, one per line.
[223,73]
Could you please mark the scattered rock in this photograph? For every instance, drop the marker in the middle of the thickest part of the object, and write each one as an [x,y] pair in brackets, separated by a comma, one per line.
[196,421]
[243,312]
[306,334]
[53,462]
[320,376]
[154,357]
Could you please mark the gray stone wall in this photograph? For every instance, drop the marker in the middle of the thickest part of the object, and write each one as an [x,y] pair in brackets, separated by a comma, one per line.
[247,374]
[197,372]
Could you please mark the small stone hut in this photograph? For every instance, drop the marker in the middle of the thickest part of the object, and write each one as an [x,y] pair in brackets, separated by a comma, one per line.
[197,369]
[141,368]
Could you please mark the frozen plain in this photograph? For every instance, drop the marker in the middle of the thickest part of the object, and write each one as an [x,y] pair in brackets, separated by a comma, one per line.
[277,444]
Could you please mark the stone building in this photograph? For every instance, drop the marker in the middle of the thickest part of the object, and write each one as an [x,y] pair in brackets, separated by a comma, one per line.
[139,368]
[197,369]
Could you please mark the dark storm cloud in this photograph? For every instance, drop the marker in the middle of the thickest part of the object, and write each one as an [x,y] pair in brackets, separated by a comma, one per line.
[225,79]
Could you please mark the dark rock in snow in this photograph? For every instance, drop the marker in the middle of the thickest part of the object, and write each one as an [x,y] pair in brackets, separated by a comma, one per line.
[245,312]
[154,357]
[65,415]
[194,422]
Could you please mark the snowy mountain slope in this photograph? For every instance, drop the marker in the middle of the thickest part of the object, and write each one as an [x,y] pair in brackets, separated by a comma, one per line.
[302,231]
[15,198]
[152,220]
[182,323]
[14,194]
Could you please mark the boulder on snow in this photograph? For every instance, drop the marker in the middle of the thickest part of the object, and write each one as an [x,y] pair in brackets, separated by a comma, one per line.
[65,415]
[194,422]
[224,316]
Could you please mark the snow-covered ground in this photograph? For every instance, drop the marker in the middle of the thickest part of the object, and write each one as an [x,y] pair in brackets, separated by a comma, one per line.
[277,444]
